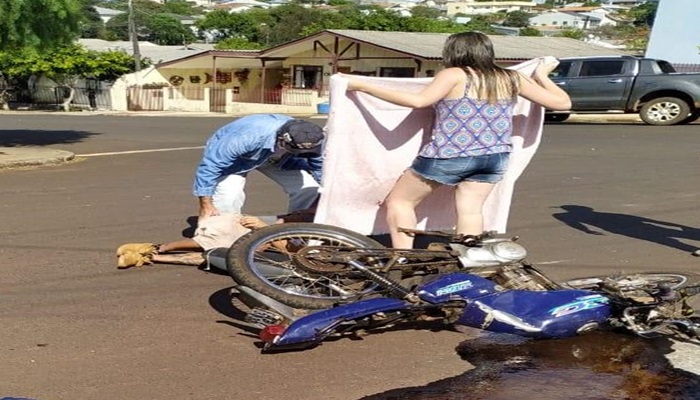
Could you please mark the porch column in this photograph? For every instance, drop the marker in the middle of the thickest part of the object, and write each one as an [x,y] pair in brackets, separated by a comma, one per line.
[262,84]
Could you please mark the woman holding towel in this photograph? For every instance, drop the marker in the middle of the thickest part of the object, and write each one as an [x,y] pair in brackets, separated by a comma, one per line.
[471,135]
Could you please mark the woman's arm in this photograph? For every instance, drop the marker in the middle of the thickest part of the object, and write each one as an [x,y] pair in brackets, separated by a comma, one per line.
[541,90]
[441,86]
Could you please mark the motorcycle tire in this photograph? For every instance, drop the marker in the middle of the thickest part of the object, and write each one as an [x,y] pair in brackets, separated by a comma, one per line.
[634,281]
[252,257]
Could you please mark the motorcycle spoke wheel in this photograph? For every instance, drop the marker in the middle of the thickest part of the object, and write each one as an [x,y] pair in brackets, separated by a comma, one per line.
[629,282]
[264,260]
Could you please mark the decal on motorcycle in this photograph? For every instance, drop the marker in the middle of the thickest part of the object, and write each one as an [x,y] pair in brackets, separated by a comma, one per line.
[581,303]
[455,287]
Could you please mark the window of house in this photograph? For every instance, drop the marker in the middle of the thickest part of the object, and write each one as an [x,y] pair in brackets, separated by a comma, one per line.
[308,76]
[397,72]
[602,68]
[555,22]
[565,23]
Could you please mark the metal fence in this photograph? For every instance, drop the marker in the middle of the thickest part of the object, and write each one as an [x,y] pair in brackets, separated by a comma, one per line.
[49,97]
[687,67]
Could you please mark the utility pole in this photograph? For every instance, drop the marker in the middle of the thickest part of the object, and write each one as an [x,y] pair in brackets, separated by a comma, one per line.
[134,37]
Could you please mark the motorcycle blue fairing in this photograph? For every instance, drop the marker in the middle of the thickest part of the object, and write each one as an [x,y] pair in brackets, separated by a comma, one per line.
[456,286]
[545,314]
[314,327]
[550,314]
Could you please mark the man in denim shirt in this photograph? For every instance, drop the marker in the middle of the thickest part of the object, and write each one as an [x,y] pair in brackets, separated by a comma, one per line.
[285,149]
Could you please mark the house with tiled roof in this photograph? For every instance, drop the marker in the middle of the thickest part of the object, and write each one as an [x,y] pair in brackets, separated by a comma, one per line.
[294,76]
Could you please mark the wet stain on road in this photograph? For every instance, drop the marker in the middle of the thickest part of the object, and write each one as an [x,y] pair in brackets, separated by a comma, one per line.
[597,366]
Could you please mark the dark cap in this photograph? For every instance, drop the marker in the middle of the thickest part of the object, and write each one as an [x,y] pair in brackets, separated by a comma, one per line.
[302,136]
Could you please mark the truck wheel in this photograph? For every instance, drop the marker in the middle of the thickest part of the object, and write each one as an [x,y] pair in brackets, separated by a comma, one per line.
[556,117]
[664,111]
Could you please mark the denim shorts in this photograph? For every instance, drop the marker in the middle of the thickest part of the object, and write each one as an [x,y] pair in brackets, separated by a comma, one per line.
[488,168]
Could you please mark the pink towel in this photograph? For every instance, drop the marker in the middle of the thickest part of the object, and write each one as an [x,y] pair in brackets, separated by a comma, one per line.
[371,142]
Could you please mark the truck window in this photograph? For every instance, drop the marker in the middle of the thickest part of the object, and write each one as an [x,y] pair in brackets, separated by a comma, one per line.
[562,70]
[666,67]
[602,68]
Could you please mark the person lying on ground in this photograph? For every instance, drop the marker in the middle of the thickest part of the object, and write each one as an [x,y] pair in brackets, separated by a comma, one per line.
[215,232]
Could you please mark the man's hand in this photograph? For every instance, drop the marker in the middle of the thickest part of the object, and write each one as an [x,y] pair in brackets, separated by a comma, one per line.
[252,223]
[206,208]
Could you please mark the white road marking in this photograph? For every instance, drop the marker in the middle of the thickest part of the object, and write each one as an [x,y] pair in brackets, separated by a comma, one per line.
[116,153]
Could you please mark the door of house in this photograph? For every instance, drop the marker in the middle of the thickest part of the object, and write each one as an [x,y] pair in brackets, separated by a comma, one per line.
[217,100]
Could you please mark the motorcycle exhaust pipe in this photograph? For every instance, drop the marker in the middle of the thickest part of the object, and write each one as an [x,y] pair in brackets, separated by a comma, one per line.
[253,298]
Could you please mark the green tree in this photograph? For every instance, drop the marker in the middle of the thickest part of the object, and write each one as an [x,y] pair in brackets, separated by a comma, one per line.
[479,23]
[66,66]
[644,14]
[181,7]
[517,19]
[237,43]
[529,31]
[39,24]
[425,12]
[165,29]
[91,25]
[572,33]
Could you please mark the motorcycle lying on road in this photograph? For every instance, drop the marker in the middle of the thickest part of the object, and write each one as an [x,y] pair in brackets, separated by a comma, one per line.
[305,282]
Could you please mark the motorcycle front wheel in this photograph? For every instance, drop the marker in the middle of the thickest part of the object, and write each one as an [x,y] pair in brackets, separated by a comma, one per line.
[638,281]
[264,261]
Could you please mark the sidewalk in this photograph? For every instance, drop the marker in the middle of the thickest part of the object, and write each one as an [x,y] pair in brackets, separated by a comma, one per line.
[13,157]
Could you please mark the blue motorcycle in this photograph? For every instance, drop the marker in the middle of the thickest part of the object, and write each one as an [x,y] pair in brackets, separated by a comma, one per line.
[303,283]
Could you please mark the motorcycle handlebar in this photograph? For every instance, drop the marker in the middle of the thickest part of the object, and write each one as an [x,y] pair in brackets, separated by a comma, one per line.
[453,237]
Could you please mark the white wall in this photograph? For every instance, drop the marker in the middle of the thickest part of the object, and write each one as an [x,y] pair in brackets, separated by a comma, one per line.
[676,33]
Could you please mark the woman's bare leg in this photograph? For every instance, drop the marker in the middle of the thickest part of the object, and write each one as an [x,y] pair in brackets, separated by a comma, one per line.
[401,205]
[469,200]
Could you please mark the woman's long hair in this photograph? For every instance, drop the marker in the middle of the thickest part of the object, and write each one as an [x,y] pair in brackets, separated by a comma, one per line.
[474,50]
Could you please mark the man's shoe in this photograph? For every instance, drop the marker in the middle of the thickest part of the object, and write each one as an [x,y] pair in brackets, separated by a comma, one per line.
[696,253]
[145,249]
[133,259]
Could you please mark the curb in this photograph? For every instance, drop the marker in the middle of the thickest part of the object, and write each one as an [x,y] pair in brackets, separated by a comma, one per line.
[32,159]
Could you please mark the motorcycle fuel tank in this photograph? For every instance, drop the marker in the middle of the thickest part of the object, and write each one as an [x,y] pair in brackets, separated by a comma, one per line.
[539,314]
[456,286]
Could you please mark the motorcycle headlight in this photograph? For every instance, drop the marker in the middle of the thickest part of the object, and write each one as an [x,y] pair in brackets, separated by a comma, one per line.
[509,251]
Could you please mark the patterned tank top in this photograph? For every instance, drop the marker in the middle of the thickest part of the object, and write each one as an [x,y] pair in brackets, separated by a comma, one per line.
[470,127]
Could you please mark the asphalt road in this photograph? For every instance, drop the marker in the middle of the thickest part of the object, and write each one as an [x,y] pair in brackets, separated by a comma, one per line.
[596,199]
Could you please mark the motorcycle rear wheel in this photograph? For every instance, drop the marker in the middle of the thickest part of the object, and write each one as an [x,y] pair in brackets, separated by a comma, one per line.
[254,261]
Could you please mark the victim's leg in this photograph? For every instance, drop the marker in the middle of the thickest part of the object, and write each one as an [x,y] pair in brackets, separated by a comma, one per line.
[180,245]
[195,258]
[401,205]
[469,198]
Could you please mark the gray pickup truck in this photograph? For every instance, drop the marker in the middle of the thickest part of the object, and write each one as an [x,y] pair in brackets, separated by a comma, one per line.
[628,84]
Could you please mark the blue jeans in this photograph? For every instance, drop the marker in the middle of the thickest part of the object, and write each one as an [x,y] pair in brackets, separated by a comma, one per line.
[488,168]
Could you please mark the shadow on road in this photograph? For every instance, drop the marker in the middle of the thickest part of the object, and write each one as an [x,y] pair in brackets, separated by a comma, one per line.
[19,137]
[593,366]
[587,220]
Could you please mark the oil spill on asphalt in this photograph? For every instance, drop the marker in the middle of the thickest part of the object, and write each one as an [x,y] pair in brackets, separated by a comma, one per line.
[596,366]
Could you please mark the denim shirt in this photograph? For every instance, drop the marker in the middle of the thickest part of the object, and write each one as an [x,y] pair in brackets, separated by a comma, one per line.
[243,145]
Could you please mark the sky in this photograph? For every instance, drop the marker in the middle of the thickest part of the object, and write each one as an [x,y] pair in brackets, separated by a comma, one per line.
[676,33]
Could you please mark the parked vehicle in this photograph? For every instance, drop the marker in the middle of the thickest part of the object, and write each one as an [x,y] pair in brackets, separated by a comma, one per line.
[304,283]
[628,84]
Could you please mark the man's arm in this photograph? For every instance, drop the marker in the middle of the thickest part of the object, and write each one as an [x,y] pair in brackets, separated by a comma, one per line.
[220,154]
